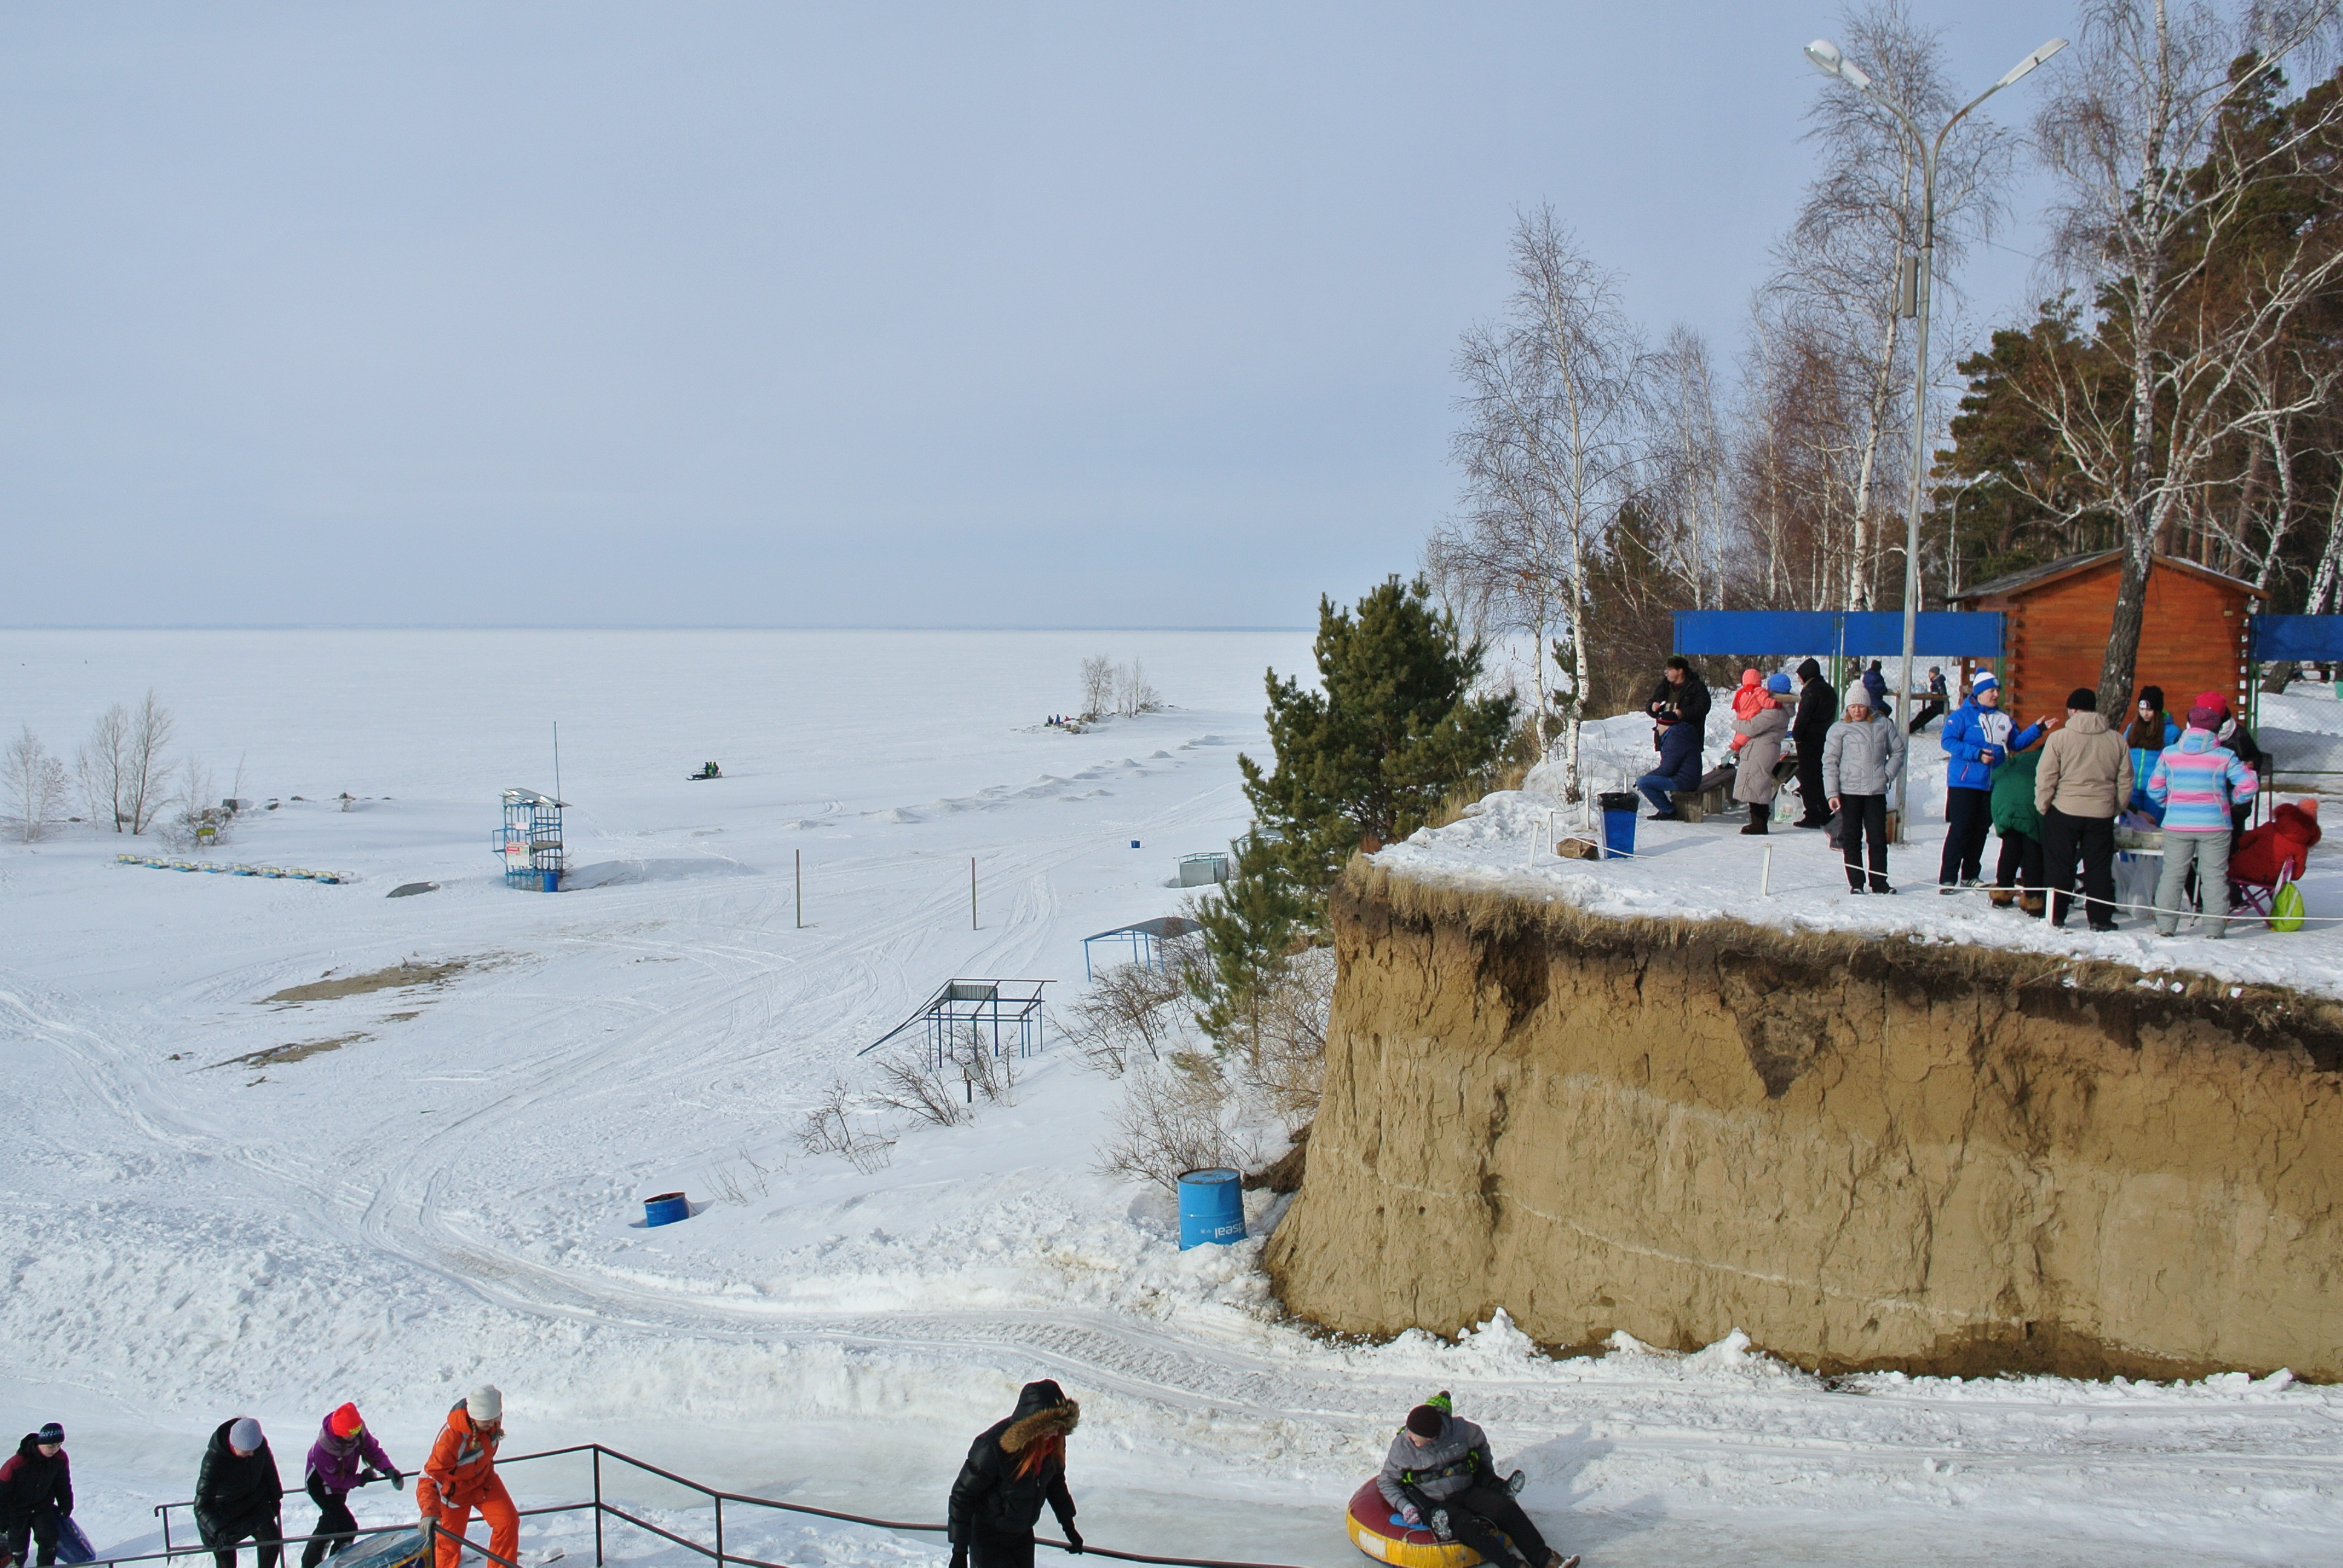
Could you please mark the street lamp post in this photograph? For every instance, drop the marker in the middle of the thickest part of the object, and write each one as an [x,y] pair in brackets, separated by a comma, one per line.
[1824,56]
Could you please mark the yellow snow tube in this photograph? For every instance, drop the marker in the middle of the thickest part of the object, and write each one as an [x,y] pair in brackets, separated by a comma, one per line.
[1377,1532]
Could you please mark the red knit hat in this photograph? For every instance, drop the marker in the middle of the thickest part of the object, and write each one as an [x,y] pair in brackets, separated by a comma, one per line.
[2211,699]
[345,1421]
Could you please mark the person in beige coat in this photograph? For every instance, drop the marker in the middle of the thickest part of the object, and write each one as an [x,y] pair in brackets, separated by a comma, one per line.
[1764,730]
[2083,781]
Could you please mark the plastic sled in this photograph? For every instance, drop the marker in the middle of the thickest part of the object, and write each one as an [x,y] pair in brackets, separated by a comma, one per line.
[72,1546]
[1383,1535]
[397,1548]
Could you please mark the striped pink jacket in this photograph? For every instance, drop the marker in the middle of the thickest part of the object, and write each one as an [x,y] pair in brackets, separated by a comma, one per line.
[2196,781]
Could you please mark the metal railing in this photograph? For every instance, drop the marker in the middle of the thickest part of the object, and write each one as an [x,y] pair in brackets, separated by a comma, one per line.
[601,1507]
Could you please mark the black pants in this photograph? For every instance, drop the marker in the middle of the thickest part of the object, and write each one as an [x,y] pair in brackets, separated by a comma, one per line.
[1813,805]
[335,1527]
[266,1535]
[1930,709]
[986,1550]
[1968,817]
[2021,862]
[41,1527]
[1476,1514]
[2092,840]
[1862,817]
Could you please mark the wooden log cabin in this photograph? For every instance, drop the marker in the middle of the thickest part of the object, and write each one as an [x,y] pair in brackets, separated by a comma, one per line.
[2192,638]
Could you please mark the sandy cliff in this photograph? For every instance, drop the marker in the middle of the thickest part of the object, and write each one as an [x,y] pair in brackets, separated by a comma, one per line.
[1865,1153]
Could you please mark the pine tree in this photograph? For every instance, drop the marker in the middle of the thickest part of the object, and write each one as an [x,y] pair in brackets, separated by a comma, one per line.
[1368,759]
[1362,762]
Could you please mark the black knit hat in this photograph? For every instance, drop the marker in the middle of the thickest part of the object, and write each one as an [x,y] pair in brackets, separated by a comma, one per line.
[2082,699]
[51,1432]
[1423,1421]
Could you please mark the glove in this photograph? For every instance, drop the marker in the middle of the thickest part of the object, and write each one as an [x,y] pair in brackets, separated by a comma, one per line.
[959,1556]
[397,1482]
[1073,1541]
[1514,1482]
[368,1477]
[1414,1519]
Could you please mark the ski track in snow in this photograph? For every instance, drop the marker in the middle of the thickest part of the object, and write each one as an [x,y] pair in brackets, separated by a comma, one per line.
[448,1198]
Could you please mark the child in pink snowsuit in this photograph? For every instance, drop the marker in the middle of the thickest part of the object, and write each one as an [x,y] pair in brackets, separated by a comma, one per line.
[1748,698]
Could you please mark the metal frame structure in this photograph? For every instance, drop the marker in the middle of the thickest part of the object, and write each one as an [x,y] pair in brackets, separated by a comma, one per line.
[601,1507]
[530,841]
[998,1013]
[1146,939]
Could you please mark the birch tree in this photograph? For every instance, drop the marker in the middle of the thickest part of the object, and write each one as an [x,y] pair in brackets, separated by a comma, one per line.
[1547,446]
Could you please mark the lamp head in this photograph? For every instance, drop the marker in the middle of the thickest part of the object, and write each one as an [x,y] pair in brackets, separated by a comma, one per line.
[2028,63]
[1823,57]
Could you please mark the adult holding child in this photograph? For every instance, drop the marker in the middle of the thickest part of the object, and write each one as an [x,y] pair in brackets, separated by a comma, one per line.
[1759,737]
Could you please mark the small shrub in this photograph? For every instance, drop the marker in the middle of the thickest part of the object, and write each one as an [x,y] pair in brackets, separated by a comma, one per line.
[1174,1119]
[828,1129]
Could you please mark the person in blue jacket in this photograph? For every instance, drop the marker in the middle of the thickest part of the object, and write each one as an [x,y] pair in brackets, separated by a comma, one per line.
[1978,737]
[1679,766]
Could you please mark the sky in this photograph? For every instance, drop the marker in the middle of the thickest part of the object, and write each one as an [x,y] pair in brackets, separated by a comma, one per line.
[1109,315]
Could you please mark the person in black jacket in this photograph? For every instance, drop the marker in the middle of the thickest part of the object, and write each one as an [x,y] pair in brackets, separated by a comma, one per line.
[1681,694]
[1013,1467]
[239,1494]
[36,1494]
[1817,711]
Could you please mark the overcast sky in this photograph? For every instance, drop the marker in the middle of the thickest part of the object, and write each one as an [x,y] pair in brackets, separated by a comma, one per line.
[988,314]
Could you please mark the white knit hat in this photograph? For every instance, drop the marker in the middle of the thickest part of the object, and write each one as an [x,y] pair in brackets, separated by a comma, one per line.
[486,1402]
[244,1435]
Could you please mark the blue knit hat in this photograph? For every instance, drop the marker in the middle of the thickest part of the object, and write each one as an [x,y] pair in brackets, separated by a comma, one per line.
[1984,682]
[1778,684]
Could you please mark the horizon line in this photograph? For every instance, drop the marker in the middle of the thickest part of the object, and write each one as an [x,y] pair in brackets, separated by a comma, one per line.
[591,626]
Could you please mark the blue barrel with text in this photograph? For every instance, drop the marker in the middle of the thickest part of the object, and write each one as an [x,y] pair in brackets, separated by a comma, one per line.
[1619,823]
[1211,1208]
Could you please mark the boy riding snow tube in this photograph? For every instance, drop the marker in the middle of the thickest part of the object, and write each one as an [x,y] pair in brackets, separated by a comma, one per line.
[1439,1502]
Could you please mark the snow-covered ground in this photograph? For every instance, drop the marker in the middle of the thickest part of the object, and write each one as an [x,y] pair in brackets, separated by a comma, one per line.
[451,1193]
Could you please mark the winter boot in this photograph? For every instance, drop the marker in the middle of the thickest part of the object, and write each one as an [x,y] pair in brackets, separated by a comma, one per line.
[2004,896]
[1439,1522]
[2032,903]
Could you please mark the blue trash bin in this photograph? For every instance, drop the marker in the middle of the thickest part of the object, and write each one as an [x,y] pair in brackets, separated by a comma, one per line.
[553,881]
[1618,823]
[665,1209]
[1211,1208]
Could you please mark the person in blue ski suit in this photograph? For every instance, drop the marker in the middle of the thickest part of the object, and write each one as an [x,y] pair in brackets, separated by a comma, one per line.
[1978,737]
[1679,766]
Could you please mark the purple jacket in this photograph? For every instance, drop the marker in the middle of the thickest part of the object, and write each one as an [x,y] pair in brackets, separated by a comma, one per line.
[336,1462]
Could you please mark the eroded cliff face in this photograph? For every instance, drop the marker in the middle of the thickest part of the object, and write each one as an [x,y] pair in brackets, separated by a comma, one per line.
[1863,1152]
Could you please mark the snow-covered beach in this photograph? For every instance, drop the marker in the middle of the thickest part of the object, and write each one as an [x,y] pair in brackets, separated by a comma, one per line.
[451,1192]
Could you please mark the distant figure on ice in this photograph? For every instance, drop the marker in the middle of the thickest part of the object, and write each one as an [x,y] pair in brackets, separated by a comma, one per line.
[1013,1467]
[1817,711]
[1861,759]
[461,1476]
[36,1494]
[345,1457]
[239,1495]
[1441,1476]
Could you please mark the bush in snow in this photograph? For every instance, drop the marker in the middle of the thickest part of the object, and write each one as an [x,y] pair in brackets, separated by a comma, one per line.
[1136,1012]
[828,1128]
[33,784]
[1178,1117]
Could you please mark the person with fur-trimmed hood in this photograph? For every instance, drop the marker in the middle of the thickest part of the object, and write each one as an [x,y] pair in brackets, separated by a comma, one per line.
[1013,1467]
[1441,1476]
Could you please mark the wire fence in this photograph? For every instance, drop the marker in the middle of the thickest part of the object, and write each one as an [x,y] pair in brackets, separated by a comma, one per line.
[604,1508]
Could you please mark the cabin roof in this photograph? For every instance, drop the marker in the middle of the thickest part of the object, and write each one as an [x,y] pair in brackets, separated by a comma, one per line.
[2048,572]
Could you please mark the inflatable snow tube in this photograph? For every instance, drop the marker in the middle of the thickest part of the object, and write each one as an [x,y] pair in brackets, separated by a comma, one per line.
[1383,1535]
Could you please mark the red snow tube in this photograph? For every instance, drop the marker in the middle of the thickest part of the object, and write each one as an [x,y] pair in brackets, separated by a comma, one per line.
[1376,1531]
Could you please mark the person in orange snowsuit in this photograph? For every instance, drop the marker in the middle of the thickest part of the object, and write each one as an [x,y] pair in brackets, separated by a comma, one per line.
[461,1476]
[1748,699]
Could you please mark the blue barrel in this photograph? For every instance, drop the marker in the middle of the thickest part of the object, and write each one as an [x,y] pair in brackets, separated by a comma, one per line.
[1211,1208]
[552,885]
[1618,823]
[665,1209]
